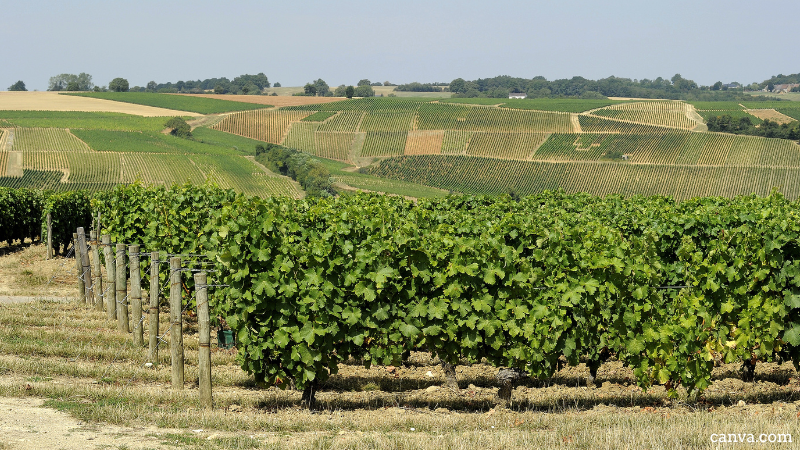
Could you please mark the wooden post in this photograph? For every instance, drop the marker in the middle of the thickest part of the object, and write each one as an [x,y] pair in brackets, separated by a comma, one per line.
[111,279]
[97,277]
[204,358]
[154,294]
[122,289]
[78,267]
[49,236]
[176,322]
[86,268]
[136,296]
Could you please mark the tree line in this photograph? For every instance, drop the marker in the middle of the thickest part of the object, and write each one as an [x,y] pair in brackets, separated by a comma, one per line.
[312,175]
[769,129]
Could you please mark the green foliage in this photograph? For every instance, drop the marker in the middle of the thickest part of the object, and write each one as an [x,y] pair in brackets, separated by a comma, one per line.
[20,214]
[145,142]
[725,123]
[200,105]
[119,85]
[68,211]
[18,86]
[350,91]
[70,82]
[178,127]
[168,220]
[312,175]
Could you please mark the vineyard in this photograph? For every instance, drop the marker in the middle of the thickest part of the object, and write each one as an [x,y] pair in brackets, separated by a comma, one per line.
[495,177]
[597,146]
[661,113]
[551,280]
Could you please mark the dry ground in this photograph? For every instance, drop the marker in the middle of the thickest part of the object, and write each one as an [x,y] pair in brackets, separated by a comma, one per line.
[276,100]
[770,114]
[53,101]
[71,358]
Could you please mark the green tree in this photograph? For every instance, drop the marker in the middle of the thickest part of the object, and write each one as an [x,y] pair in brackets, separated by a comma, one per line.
[18,86]
[178,127]
[276,85]
[364,91]
[152,86]
[71,82]
[458,86]
[119,85]
[349,92]
[717,86]
[364,82]
[310,89]
[219,88]
[322,87]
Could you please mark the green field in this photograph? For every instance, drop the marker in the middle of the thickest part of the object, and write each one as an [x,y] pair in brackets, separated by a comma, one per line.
[539,104]
[177,102]
[82,120]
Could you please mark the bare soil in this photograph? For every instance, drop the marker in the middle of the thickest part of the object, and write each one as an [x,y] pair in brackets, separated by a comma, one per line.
[25,425]
[53,101]
[770,114]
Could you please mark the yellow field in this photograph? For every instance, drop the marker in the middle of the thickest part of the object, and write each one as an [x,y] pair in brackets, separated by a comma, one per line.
[263,125]
[424,142]
[52,101]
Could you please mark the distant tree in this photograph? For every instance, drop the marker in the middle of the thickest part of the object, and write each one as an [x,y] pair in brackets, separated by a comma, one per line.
[770,87]
[322,87]
[364,82]
[178,127]
[276,85]
[71,82]
[220,89]
[18,86]
[388,83]
[340,91]
[364,91]
[717,86]
[349,91]
[458,86]
[259,80]
[119,85]
[152,86]
[251,89]
[310,89]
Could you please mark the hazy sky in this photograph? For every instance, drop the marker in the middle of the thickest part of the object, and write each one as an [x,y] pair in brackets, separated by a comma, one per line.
[342,41]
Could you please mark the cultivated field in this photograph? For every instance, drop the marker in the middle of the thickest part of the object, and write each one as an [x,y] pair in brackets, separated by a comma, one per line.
[279,100]
[53,101]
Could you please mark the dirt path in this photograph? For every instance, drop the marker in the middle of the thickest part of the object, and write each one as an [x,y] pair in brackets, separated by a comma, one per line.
[25,424]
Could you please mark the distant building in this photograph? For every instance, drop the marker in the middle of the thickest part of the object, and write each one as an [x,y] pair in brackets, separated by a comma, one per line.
[732,86]
[517,95]
[784,88]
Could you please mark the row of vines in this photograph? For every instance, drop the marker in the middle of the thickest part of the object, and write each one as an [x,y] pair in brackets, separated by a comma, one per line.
[522,284]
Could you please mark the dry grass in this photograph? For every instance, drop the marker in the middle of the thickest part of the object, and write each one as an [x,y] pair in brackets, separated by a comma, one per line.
[24,271]
[770,114]
[52,101]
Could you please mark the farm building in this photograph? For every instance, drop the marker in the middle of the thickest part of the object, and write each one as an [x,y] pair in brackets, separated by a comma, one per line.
[517,95]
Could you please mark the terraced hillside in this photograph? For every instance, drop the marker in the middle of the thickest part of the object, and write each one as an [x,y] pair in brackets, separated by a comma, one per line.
[95,151]
[419,146]
[634,147]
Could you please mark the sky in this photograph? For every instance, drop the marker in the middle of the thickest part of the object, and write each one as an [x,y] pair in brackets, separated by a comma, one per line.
[344,41]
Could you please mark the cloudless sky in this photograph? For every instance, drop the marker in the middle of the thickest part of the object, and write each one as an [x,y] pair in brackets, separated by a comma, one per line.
[343,41]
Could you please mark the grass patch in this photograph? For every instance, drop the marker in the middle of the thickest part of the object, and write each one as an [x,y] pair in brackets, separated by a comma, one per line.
[177,102]
[82,120]
[149,142]
[239,144]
